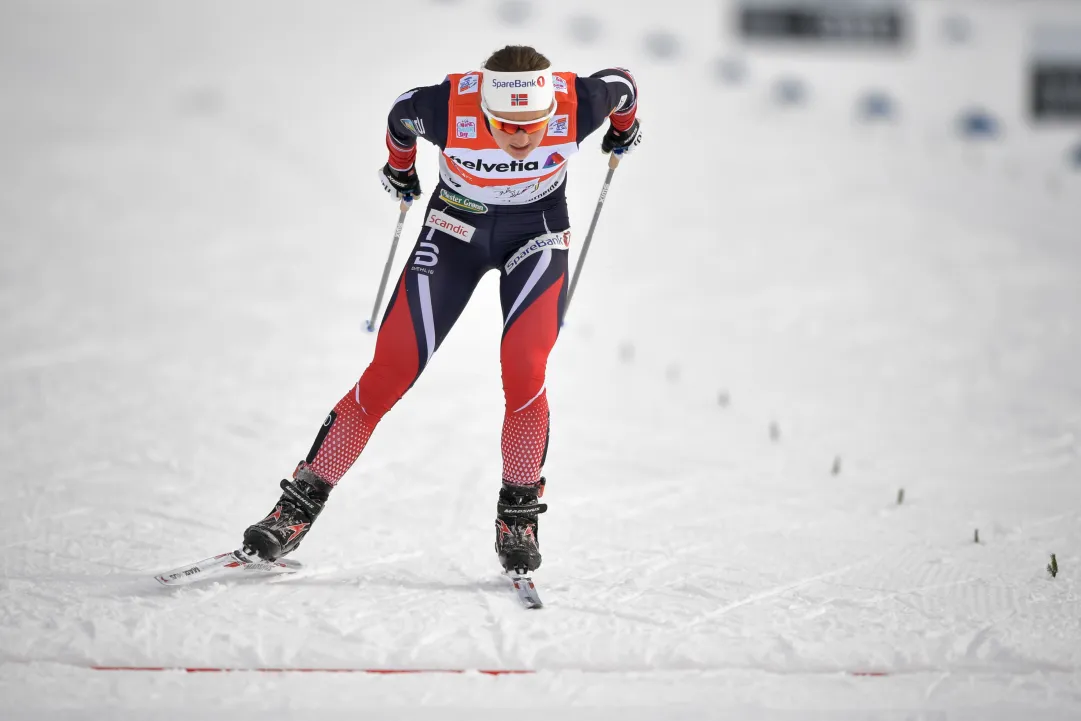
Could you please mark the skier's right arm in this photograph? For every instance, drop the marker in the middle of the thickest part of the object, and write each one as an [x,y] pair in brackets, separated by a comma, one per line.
[419,113]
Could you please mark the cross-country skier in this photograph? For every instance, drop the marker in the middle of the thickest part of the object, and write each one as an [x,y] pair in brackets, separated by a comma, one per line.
[506,133]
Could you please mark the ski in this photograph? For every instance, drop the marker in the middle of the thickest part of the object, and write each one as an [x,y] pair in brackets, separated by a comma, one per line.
[225,564]
[526,590]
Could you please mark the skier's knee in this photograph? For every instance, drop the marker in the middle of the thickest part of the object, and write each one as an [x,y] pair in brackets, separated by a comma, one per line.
[380,388]
[522,383]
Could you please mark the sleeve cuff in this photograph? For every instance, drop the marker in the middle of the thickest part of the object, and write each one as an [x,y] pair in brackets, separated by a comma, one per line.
[400,158]
[623,121]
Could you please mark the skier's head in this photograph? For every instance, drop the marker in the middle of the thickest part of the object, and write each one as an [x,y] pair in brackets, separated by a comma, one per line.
[518,98]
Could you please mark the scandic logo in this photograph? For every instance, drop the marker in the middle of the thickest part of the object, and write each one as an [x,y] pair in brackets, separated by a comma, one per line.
[514,166]
[451,226]
[558,241]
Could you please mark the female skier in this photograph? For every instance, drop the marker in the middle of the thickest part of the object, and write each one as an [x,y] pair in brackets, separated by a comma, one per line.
[506,133]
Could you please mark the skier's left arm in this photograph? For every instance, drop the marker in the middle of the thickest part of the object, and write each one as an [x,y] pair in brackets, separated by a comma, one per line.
[418,113]
[613,94]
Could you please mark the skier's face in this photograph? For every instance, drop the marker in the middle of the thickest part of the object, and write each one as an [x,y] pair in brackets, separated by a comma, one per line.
[520,144]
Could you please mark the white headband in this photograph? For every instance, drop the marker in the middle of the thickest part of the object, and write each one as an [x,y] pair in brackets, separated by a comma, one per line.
[510,92]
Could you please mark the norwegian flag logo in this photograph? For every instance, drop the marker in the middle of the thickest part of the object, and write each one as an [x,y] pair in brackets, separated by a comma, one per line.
[517,99]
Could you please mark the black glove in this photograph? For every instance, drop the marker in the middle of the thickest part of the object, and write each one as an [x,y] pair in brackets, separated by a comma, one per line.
[621,142]
[400,183]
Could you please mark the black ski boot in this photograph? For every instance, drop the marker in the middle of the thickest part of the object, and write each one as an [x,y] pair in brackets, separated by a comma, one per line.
[516,534]
[282,531]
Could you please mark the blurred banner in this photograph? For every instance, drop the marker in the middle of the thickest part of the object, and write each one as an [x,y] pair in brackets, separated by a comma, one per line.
[1055,87]
[863,22]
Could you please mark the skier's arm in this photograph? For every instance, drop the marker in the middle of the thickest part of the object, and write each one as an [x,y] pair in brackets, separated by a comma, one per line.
[610,93]
[419,113]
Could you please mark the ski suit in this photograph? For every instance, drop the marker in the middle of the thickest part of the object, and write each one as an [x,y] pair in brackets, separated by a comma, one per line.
[487,212]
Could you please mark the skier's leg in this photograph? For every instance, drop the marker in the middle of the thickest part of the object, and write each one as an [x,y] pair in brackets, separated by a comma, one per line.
[431,293]
[533,295]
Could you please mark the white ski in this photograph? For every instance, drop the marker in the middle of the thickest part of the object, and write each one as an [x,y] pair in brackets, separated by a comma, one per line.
[225,564]
[526,590]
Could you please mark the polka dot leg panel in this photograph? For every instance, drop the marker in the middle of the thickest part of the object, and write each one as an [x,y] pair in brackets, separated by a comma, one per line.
[525,436]
[343,444]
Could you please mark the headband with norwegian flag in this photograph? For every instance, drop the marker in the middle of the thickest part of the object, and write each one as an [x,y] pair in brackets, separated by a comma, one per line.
[509,92]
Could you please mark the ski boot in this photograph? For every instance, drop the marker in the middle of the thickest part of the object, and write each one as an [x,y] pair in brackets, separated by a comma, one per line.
[516,534]
[282,531]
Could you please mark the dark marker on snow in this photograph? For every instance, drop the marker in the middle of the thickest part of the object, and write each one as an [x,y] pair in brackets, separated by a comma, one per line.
[1052,567]
[900,496]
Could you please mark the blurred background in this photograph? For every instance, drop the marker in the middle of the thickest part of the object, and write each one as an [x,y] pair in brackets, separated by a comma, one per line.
[846,260]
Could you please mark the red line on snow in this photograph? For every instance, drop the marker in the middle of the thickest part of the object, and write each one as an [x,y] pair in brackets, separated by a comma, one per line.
[383,671]
[379,671]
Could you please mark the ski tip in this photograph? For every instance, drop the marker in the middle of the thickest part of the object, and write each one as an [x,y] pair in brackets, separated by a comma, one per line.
[526,590]
[240,560]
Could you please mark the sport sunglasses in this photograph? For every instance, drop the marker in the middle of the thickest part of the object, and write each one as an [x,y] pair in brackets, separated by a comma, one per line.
[512,126]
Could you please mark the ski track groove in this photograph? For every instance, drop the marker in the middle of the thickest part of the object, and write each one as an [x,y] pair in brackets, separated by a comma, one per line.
[612,614]
[189,521]
[770,593]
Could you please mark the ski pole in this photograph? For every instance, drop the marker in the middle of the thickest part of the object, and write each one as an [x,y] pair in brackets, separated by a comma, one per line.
[407,203]
[613,163]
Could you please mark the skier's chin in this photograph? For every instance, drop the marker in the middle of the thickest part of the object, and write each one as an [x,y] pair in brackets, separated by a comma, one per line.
[518,153]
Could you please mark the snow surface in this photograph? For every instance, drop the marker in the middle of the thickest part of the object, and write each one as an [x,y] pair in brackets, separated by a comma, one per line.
[192,237]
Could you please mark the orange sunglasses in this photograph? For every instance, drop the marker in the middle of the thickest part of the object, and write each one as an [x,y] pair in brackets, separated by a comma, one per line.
[512,127]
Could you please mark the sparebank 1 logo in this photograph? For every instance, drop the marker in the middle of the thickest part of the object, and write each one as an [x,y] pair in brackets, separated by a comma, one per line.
[553,160]
[518,83]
